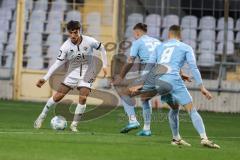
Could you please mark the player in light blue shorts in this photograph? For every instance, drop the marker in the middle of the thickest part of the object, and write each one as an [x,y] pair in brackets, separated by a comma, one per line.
[173,54]
[141,48]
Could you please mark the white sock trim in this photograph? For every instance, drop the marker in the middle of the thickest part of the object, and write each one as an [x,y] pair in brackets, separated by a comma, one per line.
[80,108]
[146,127]
[132,118]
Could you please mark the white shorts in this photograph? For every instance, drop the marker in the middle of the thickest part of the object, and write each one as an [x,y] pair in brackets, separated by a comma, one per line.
[76,82]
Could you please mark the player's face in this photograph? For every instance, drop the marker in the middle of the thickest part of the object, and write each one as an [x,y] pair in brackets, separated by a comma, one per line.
[136,33]
[74,35]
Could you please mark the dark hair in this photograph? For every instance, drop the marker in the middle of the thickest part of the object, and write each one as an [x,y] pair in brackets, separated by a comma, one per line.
[176,30]
[141,26]
[73,25]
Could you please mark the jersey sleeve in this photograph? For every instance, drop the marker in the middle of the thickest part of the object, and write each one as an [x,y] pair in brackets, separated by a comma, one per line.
[95,44]
[62,53]
[191,60]
[134,49]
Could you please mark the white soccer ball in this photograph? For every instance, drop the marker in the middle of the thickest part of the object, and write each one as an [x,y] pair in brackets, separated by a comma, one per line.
[58,123]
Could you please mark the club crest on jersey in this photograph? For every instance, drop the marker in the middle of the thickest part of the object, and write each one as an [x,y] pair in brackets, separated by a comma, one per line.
[85,48]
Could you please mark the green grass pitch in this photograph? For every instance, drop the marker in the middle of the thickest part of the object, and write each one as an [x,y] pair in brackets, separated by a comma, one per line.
[100,139]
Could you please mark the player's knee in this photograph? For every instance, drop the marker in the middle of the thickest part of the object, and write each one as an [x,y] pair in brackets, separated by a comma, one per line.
[189,107]
[82,99]
[174,106]
[58,97]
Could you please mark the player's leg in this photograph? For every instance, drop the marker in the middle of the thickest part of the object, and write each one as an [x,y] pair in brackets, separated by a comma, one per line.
[129,107]
[61,92]
[173,117]
[146,111]
[81,106]
[199,126]
[184,98]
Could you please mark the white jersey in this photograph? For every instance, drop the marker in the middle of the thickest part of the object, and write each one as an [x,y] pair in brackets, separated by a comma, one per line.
[80,58]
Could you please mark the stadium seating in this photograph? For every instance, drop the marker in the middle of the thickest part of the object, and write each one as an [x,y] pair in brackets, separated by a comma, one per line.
[206,59]
[5,13]
[164,34]
[134,18]
[34,50]
[3,36]
[237,40]
[207,46]
[73,15]
[34,38]
[93,18]
[9,5]
[192,43]
[5,24]
[170,20]
[8,59]
[35,62]
[230,36]
[55,16]
[207,22]
[41,5]
[220,23]
[153,20]
[207,35]
[28,5]
[154,31]
[38,15]
[189,22]
[11,43]
[53,51]
[59,5]
[36,26]
[238,25]
[54,39]
[230,48]
[189,34]
[54,27]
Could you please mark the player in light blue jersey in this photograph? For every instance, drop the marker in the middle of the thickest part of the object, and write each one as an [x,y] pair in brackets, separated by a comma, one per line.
[141,48]
[173,54]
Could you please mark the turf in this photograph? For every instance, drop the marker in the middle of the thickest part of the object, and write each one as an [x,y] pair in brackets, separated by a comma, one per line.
[100,139]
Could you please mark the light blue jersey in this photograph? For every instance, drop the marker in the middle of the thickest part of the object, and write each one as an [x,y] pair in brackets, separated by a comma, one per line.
[144,47]
[174,54]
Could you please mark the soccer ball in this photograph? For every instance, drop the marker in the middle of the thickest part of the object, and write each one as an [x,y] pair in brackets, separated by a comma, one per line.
[58,123]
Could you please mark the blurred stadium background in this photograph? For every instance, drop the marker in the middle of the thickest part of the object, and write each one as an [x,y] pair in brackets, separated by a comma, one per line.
[32,31]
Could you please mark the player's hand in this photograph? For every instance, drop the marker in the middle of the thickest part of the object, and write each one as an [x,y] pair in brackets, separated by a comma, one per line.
[40,82]
[186,77]
[206,93]
[117,80]
[133,90]
[104,72]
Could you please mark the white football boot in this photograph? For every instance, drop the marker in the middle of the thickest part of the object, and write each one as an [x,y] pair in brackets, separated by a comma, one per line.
[73,128]
[39,121]
[208,143]
[180,143]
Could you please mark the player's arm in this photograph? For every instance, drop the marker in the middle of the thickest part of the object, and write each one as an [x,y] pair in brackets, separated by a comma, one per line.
[138,83]
[191,60]
[60,61]
[130,62]
[184,76]
[99,46]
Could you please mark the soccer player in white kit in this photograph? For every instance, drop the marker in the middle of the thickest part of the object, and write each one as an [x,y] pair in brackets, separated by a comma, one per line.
[77,50]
